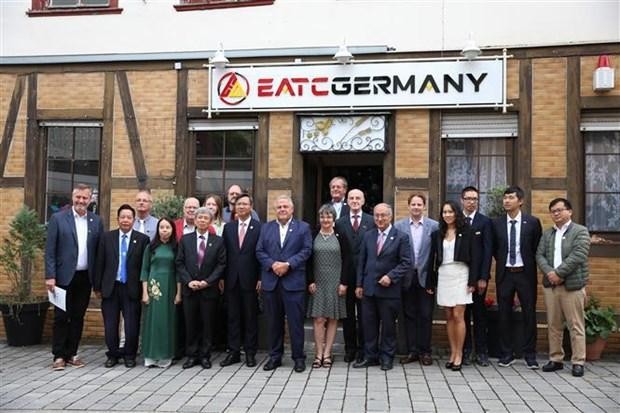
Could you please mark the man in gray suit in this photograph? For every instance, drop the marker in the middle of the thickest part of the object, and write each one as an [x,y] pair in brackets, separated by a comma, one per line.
[417,302]
[562,257]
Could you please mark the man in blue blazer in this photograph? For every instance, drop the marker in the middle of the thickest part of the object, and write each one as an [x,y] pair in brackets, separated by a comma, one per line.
[284,246]
[241,282]
[383,264]
[418,303]
[70,251]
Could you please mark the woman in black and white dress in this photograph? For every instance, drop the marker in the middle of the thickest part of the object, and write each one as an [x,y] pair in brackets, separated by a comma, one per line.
[451,276]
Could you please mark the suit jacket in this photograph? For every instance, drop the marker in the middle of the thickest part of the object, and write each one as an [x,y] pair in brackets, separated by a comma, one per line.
[242,266]
[108,260]
[483,238]
[394,260]
[61,248]
[211,270]
[421,264]
[530,235]
[296,250]
[465,247]
[343,226]
[575,249]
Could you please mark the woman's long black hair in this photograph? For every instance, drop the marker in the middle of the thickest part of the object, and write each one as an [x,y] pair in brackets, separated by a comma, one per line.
[460,218]
[157,240]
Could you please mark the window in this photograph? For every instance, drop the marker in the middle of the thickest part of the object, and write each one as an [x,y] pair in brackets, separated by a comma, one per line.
[187,5]
[72,7]
[78,3]
[73,154]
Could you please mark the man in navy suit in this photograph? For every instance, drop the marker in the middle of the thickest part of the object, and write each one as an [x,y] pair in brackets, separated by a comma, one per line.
[241,283]
[117,283]
[515,240]
[483,239]
[71,246]
[383,263]
[354,225]
[284,246]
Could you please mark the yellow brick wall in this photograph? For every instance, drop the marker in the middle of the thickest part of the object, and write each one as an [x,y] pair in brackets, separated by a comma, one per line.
[588,65]
[412,129]
[15,163]
[70,90]
[604,281]
[540,205]
[512,73]
[122,160]
[549,118]
[280,145]
[198,85]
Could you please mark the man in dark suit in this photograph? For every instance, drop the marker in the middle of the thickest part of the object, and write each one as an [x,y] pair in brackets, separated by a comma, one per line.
[354,225]
[338,191]
[383,263]
[284,246]
[515,240]
[117,283]
[241,283]
[200,263]
[483,239]
[71,247]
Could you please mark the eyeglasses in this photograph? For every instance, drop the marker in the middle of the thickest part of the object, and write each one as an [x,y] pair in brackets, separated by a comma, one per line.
[557,211]
[469,198]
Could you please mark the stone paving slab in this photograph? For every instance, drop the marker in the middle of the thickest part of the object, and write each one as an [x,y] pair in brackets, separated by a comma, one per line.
[27,384]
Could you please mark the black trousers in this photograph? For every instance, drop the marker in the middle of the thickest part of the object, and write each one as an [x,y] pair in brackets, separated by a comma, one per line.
[525,287]
[380,321]
[278,304]
[418,309]
[479,312]
[68,325]
[242,319]
[112,307]
[199,312]
[353,326]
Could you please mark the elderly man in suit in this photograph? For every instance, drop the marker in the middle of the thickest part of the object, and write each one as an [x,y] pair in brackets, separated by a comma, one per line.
[117,283]
[200,263]
[241,283]
[354,225]
[515,240]
[284,246]
[384,262]
[70,251]
[338,193]
[562,256]
[418,303]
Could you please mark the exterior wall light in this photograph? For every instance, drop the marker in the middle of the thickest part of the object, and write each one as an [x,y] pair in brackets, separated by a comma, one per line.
[343,55]
[219,60]
[471,50]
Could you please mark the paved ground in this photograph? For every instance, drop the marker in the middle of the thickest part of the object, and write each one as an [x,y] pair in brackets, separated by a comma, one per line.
[27,384]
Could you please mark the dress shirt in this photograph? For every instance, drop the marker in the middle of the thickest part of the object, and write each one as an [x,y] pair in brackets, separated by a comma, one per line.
[417,234]
[187,228]
[557,248]
[81,230]
[338,207]
[471,217]
[519,261]
[198,240]
[120,253]
[283,231]
[247,225]
[385,233]
[149,223]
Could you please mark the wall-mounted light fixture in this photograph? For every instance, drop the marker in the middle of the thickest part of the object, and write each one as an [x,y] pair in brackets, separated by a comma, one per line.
[471,50]
[343,55]
[219,60]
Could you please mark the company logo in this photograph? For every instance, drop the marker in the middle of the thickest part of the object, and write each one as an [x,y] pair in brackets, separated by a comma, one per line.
[233,88]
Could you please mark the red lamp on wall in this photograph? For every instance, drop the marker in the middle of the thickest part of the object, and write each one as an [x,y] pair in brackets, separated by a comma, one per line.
[603,78]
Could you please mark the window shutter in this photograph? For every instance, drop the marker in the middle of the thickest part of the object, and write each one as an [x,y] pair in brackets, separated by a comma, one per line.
[479,125]
[600,121]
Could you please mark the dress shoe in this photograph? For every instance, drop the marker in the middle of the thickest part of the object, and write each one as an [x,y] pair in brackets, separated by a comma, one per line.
[552,366]
[482,360]
[578,370]
[130,363]
[349,357]
[466,358]
[300,366]
[76,362]
[426,359]
[456,367]
[205,363]
[272,364]
[111,362]
[250,360]
[231,358]
[190,362]
[410,358]
[506,361]
[449,364]
[387,365]
[59,364]
[365,363]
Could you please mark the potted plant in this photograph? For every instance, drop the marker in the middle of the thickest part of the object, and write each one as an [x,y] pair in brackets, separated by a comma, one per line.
[494,205]
[169,206]
[23,311]
[600,322]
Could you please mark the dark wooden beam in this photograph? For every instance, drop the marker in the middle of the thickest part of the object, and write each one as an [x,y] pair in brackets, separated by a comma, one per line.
[182,136]
[152,183]
[279,184]
[435,164]
[132,128]
[542,184]
[575,162]
[107,143]
[261,165]
[32,142]
[70,114]
[523,158]
[411,183]
[11,119]
[12,182]
[297,173]
[389,161]
[600,102]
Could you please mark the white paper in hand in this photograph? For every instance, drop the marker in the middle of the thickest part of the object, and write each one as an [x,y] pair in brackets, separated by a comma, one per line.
[58,298]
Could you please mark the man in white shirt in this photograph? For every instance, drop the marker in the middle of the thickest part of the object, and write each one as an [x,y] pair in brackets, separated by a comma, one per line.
[145,222]
[338,191]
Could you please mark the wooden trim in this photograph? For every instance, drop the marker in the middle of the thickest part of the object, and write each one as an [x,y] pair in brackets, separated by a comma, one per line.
[600,102]
[40,8]
[261,165]
[297,173]
[565,51]
[389,161]
[107,150]
[151,183]
[575,157]
[182,136]
[435,163]
[543,184]
[604,250]
[279,184]
[32,140]
[204,5]
[411,183]
[523,152]
[132,129]
[12,182]
[70,114]
[11,119]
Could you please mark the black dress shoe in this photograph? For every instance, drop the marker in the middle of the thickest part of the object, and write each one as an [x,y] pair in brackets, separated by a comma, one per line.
[349,357]
[466,359]
[552,366]
[578,370]
[410,358]
[456,367]
[387,365]
[365,363]
[205,363]
[190,362]
[300,366]
[483,360]
[111,362]
[272,364]
[449,364]
[231,358]
[426,359]
[250,360]
[130,363]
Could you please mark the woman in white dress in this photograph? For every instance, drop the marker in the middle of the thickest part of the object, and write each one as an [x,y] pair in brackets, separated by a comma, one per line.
[450,276]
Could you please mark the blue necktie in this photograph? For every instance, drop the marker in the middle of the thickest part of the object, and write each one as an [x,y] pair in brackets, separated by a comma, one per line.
[124,259]
[512,253]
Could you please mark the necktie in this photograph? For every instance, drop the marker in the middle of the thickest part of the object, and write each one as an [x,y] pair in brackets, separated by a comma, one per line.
[468,220]
[124,258]
[512,253]
[141,227]
[201,250]
[241,233]
[380,242]
[356,222]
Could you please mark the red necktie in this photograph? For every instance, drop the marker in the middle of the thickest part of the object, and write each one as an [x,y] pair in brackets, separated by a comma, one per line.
[241,233]
[356,223]
[201,250]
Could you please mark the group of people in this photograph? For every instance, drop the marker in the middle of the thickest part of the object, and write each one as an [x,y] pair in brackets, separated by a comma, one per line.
[355,267]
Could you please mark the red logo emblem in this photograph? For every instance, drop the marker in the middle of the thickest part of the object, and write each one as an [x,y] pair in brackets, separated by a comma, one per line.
[233,88]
